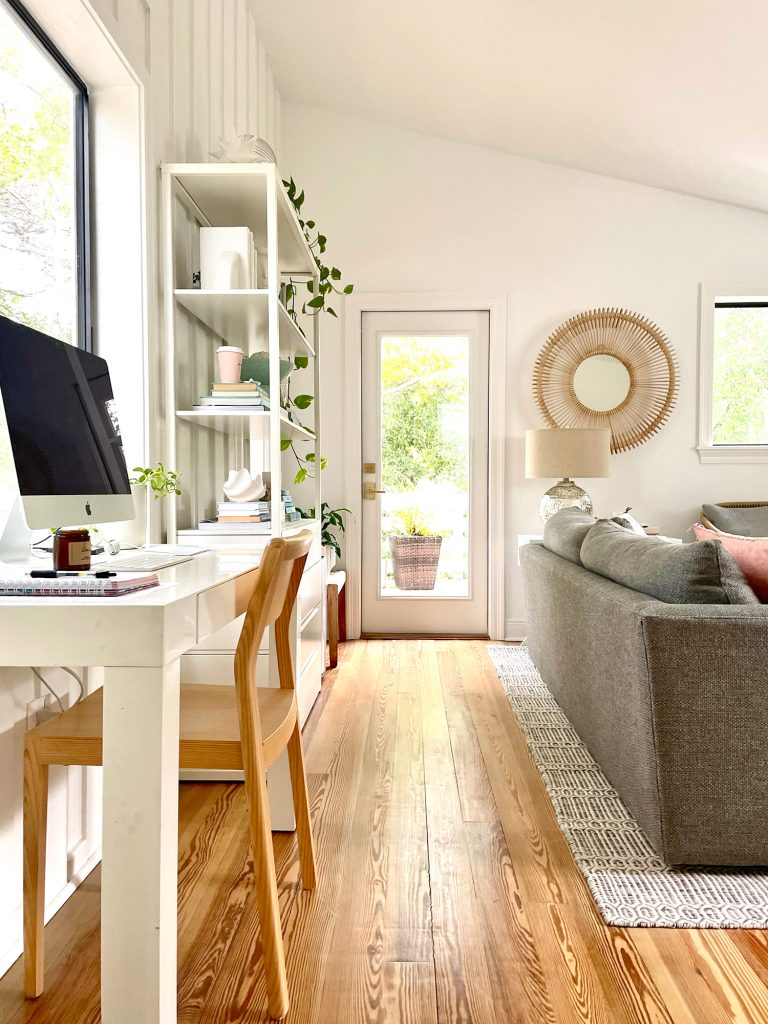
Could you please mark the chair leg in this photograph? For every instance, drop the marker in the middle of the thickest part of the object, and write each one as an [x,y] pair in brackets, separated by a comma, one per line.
[35,820]
[301,809]
[266,894]
[333,624]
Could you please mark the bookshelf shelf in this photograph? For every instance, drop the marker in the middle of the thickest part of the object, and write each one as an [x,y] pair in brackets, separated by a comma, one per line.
[226,420]
[238,317]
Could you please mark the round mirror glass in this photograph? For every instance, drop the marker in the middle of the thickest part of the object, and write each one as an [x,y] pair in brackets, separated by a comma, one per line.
[601,382]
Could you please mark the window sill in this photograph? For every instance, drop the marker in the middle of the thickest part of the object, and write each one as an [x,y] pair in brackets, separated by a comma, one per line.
[735,453]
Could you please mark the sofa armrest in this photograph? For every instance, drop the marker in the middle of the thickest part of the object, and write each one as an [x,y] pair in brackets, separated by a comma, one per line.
[708,678]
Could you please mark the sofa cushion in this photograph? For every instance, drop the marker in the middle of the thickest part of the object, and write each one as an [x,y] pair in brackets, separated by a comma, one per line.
[749,553]
[702,573]
[564,533]
[743,522]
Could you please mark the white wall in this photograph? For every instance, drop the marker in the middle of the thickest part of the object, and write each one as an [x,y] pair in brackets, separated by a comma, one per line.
[167,79]
[408,212]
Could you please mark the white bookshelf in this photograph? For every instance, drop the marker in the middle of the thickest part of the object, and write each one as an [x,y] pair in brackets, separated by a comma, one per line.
[200,441]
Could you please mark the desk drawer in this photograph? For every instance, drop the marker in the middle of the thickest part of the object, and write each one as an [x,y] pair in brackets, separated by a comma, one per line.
[218,606]
[310,589]
[310,638]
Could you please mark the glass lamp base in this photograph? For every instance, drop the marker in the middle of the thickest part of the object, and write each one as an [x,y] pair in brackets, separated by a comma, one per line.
[565,494]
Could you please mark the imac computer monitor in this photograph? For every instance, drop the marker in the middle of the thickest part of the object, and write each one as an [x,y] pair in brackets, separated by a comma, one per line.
[63,431]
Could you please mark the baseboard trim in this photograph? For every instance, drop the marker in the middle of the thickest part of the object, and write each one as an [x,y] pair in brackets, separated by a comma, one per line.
[515,629]
[424,636]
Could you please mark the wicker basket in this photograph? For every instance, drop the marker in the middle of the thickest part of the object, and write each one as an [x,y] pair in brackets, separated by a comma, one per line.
[414,561]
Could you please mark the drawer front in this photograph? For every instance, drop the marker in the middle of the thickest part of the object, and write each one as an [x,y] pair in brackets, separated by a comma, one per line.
[219,669]
[220,605]
[308,686]
[310,589]
[310,638]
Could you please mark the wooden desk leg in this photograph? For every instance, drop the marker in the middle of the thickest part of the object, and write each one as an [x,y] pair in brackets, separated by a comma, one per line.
[140,845]
[333,624]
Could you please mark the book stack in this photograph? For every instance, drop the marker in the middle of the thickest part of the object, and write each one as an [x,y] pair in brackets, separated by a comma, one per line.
[248,516]
[242,512]
[247,394]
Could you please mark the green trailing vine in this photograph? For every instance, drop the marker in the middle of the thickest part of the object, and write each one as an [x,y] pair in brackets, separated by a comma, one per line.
[329,282]
[321,292]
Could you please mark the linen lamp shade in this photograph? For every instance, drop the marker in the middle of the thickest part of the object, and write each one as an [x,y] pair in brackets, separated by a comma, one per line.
[558,452]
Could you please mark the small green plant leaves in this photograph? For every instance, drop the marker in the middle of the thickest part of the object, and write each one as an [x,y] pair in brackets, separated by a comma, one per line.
[285,444]
[301,475]
[303,401]
[316,303]
[301,362]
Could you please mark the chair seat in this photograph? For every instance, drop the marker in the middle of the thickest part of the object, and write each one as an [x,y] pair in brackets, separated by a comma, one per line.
[208,726]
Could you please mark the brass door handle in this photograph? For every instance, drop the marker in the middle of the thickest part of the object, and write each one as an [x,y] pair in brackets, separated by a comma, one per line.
[370,491]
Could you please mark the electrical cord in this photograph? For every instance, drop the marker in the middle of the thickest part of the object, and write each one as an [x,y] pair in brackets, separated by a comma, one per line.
[48,688]
[78,680]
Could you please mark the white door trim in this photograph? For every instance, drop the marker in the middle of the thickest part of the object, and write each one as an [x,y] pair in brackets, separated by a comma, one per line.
[357,304]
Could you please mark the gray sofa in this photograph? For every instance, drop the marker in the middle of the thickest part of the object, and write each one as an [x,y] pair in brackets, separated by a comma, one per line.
[671,700]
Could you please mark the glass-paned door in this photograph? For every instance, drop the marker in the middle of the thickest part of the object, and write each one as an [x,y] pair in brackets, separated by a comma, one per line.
[425,473]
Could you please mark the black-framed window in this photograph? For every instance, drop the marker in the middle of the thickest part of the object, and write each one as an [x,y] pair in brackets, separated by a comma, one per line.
[44,189]
[740,372]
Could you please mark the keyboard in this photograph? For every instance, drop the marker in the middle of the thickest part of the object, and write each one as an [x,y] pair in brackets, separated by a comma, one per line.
[144,562]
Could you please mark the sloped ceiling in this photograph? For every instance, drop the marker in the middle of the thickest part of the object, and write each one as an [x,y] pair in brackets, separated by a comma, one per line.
[672,94]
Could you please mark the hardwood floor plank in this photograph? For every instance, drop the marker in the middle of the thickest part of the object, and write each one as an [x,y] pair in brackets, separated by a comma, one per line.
[408,911]
[461,972]
[353,984]
[514,966]
[475,793]
[409,994]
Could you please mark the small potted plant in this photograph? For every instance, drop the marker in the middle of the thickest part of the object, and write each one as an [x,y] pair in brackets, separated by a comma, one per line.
[158,481]
[331,521]
[415,550]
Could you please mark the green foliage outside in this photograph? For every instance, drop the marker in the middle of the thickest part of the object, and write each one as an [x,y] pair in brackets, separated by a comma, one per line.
[422,382]
[35,187]
[740,406]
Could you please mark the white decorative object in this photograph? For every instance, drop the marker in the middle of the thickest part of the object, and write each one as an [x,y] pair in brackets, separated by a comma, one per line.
[226,258]
[244,149]
[241,486]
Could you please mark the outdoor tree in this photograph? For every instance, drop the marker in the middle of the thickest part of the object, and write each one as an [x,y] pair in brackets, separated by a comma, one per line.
[36,244]
[422,381]
[740,398]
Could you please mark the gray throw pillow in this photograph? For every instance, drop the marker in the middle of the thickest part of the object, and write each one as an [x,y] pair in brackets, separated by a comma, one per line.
[564,533]
[701,573]
[744,522]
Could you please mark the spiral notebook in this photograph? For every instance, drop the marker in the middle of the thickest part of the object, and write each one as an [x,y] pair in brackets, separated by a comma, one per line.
[76,586]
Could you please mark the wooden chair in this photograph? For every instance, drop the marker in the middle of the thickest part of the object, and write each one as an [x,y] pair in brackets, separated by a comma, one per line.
[242,727]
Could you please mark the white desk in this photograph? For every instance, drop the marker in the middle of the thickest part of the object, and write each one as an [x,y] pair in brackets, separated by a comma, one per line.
[138,640]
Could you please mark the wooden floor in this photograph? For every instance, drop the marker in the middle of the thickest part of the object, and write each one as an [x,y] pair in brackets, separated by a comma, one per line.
[446,892]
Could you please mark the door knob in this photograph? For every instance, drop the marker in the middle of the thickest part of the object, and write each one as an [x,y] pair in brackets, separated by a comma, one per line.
[370,491]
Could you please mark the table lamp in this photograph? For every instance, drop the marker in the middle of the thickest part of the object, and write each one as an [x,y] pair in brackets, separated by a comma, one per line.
[566,453]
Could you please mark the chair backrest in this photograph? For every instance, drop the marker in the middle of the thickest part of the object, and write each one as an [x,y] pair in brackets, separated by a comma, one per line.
[271,604]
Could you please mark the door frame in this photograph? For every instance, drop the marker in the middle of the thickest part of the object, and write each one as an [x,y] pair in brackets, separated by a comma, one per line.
[495,304]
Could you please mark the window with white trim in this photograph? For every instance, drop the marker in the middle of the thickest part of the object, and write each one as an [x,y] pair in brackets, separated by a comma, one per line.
[733,411]
[43,182]
[740,372]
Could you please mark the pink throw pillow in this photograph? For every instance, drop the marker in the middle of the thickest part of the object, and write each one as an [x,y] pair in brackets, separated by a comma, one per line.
[749,553]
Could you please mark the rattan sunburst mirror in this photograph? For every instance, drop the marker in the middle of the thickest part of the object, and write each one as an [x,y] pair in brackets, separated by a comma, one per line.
[608,368]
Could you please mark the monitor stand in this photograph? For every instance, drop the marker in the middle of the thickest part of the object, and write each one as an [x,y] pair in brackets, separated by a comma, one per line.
[16,538]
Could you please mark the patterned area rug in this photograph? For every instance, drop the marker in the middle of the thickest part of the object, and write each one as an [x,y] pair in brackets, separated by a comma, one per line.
[631,886]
